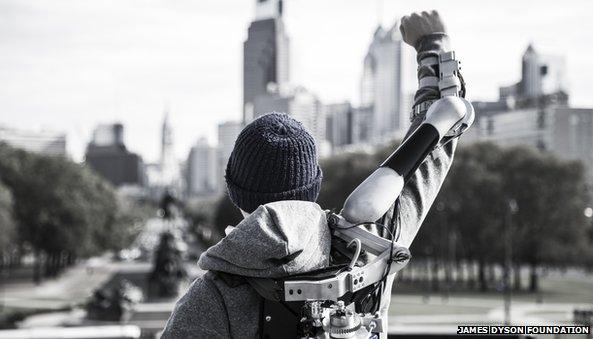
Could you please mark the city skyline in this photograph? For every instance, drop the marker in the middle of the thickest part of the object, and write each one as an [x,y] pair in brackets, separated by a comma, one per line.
[70,75]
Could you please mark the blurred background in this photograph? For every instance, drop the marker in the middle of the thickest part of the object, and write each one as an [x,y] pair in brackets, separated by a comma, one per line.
[117,119]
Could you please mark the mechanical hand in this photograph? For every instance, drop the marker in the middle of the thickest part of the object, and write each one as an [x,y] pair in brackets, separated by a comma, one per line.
[417,25]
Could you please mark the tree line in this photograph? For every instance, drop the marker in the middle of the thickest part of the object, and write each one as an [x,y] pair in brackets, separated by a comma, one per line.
[494,201]
[508,207]
[57,211]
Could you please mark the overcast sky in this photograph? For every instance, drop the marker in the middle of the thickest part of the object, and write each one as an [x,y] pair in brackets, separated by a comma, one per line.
[67,65]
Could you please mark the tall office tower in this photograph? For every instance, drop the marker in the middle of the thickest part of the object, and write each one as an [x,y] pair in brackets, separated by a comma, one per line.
[265,54]
[43,142]
[203,174]
[169,167]
[227,135]
[299,103]
[107,155]
[530,73]
[541,74]
[339,125]
[381,83]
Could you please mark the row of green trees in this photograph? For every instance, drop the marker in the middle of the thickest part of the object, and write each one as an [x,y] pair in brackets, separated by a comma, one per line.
[514,202]
[495,201]
[58,211]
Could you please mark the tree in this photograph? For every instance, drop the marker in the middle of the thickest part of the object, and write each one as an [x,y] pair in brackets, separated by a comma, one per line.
[7,225]
[551,195]
[341,175]
[63,209]
[470,201]
[200,215]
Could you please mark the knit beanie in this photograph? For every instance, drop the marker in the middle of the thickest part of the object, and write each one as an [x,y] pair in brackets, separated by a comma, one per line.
[274,159]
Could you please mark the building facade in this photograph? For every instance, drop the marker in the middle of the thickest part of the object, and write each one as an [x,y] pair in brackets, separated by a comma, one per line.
[535,113]
[381,83]
[108,156]
[43,142]
[169,166]
[227,135]
[265,54]
[203,173]
[299,103]
[339,125]
[541,74]
[362,125]
[566,132]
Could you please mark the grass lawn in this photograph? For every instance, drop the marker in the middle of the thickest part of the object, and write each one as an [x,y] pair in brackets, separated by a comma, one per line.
[435,305]
[555,288]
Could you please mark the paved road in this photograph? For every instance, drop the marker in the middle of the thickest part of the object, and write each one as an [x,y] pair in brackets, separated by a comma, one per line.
[78,282]
[71,287]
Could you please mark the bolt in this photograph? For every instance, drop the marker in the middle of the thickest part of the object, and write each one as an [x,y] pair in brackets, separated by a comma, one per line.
[268,318]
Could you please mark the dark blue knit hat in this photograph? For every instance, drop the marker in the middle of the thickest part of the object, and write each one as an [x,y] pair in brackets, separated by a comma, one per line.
[274,159]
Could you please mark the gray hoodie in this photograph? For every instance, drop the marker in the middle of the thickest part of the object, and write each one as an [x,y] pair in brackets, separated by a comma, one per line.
[276,240]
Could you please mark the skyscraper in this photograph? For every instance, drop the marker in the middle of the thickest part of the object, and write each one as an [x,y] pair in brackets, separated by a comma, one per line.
[542,81]
[169,167]
[227,135]
[530,73]
[203,174]
[265,54]
[381,83]
[541,74]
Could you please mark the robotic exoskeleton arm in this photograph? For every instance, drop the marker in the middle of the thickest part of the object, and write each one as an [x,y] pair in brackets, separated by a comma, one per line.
[324,311]
[446,119]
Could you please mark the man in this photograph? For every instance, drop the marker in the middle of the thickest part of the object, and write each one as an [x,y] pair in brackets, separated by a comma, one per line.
[274,178]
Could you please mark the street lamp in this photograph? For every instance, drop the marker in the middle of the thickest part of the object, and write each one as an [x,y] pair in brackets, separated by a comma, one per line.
[588,212]
[512,208]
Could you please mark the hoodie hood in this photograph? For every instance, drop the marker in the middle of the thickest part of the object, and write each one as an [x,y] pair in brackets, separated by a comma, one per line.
[276,240]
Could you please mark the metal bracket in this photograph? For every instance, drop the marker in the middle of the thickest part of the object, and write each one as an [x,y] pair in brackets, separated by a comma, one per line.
[449,83]
[356,278]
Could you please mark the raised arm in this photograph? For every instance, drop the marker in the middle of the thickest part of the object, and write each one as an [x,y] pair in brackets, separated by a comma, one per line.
[426,33]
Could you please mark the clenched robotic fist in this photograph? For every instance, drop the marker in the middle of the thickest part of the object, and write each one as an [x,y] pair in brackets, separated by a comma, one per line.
[417,25]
